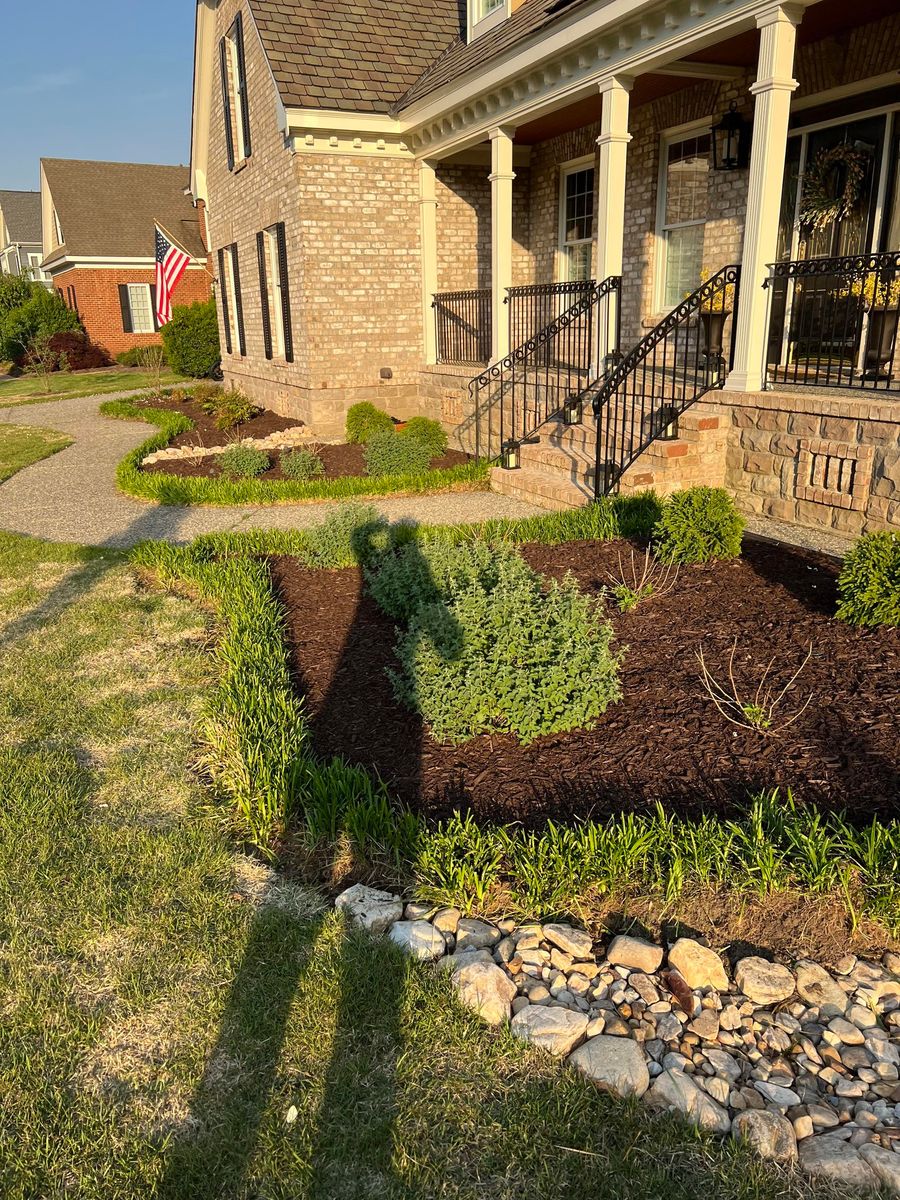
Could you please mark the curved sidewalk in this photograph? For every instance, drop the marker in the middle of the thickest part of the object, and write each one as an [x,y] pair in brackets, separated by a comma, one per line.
[72,496]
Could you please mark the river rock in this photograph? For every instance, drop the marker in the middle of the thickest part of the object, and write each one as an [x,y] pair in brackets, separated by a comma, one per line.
[486,989]
[418,938]
[372,909]
[762,981]
[770,1136]
[475,935]
[832,1158]
[782,1096]
[635,953]
[454,961]
[614,1064]
[556,1030]
[676,1090]
[816,987]
[700,967]
[446,920]
[884,1163]
[573,941]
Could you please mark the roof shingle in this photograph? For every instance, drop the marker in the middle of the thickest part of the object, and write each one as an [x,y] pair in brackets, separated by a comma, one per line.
[22,215]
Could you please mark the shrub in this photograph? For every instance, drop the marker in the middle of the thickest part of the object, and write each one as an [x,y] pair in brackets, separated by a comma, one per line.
[390,454]
[41,315]
[191,339]
[203,393]
[132,356]
[364,420]
[302,464]
[15,290]
[228,408]
[869,583]
[418,574]
[698,525]
[81,353]
[427,431]
[243,462]
[506,656]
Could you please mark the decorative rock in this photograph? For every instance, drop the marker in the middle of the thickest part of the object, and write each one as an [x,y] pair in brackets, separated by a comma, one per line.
[486,989]
[446,920]
[573,941]
[454,961]
[372,909]
[803,1127]
[782,1096]
[762,981]
[614,1064]
[677,1090]
[556,1030]
[723,1064]
[706,1025]
[770,1136]
[816,987]
[822,1116]
[891,963]
[475,935]
[418,912]
[829,1157]
[884,1164]
[418,938]
[719,1089]
[849,1034]
[699,966]
[635,953]
[668,1027]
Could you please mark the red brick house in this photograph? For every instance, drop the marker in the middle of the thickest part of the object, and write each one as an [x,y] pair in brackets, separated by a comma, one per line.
[98,223]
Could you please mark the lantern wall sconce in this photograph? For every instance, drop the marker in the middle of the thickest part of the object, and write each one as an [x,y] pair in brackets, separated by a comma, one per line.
[573,410]
[666,421]
[731,141]
[509,456]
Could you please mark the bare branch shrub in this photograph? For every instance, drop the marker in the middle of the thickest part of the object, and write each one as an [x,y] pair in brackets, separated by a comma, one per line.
[762,711]
[637,581]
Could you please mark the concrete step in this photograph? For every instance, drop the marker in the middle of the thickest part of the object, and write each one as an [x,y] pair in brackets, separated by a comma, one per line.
[545,490]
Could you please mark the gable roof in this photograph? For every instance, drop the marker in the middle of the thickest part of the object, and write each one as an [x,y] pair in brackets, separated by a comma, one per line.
[108,210]
[352,55]
[22,215]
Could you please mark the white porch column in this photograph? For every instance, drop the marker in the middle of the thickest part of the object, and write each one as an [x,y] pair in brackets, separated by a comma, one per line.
[768,150]
[613,143]
[428,223]
[501,177]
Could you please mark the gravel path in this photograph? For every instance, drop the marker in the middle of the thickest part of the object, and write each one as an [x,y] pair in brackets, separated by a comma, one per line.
[72,496]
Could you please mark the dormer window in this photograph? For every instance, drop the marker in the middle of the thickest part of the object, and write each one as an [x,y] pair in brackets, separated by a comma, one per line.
[57,228]
[236,109]
[487,14]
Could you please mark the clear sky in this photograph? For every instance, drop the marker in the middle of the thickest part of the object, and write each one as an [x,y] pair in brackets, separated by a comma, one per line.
[102,79]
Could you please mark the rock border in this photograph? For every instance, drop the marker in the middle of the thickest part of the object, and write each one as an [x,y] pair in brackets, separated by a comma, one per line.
[286,439]
[801,1063]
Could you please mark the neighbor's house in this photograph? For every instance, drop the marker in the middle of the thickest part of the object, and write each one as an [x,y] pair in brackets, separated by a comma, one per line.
[683,215]
[99,246]
[21,247]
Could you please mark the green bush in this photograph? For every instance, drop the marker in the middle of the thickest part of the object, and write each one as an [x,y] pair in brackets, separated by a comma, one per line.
[15,290]
[869,583]
[427,431]
[191,339]
[243,462]
[364,420]
[418,574]
[228,408]
[391,454]
[506,656]
[302,464]
[698,525]
[203,393]
[133,356]
[41,315]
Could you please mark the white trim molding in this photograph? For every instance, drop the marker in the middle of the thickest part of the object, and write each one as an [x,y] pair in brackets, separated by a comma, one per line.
[313,131]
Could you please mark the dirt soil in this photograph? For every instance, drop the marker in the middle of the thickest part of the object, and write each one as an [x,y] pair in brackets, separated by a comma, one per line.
[665,741]
[340,460]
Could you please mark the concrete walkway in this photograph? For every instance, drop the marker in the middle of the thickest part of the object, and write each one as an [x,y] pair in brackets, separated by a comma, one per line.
[72,496]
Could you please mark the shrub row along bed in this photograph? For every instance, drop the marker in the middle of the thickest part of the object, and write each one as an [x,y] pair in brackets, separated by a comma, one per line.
[261,757]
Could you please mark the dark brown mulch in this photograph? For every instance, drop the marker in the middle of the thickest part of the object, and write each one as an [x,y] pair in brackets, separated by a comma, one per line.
[665,741]
[205,432]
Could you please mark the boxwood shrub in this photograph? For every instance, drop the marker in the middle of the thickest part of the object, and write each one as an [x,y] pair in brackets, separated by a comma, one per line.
[390,454]
[869,583]
[698,525]
[428,431]
[364,420]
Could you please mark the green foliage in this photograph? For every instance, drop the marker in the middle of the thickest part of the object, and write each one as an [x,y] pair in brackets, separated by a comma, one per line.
[302,464]
[423,429]
[191,339]
[433,571]
[132,357]
[244,462]
[228,407]
[393,454]
[15,290]
[869,583]
[627,597]
[364,420]
[698,525]
[41,315]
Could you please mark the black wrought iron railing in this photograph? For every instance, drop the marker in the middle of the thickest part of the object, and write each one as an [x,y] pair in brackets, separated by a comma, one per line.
[514,397]
[463,326]
[536,305]
[833,322]
[683,357]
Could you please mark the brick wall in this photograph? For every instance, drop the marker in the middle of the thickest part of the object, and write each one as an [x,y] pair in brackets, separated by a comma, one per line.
[464,227]
[97,300]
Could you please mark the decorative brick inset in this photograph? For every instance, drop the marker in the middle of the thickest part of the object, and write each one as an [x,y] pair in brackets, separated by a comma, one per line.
[835,473]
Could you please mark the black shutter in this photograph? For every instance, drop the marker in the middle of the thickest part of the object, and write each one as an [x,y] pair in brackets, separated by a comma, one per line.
[238,303]
[226,103]
[223,288]
[264,293]
[285,292]
[153,307]
[125,305]
[242,81]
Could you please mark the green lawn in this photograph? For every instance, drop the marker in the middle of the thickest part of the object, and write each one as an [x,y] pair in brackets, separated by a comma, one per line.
[177,1022]
[27,389]
[22,445]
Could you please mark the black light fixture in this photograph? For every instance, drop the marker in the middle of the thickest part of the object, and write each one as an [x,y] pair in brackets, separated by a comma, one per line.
[509,456]
[573,410]
[731,141]
[666,421]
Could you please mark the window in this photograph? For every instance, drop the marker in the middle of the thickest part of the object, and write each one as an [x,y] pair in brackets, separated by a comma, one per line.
[236,109]
[576,224]
[684,209]
[232,301]
[57,228]
[271,249]
[484,15]
[138,304]
[484,8]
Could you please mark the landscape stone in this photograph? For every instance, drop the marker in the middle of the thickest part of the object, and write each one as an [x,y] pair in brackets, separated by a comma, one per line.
[446,920]
[723,1063]
[770,1135]
[573,941]
[372,909]
[831,1158]
[699,966]
[635,953]
[677,1090]
[453,962]
[668,1027]
[762,981]
[556,1030]
[816,987]
[706,1025]
[782,1096]
[614,1064]
[849,1034]
[486,989]
[884,1163]
[418,938]
[472,934]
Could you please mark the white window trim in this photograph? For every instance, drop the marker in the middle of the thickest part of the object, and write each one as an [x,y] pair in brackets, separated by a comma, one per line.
[146,287]
[232,303]
[565,170]
[235,98]
[679,133]
[477,24]
[273,292]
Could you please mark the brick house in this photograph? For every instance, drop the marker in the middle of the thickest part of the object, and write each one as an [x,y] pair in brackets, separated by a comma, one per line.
[98,244]
[622,243]
[21,247]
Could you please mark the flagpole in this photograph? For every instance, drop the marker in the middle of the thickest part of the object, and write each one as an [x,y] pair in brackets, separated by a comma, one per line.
[175,242]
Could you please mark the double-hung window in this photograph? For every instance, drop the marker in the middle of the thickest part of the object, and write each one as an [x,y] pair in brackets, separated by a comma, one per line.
[235,106]
[576,222]
[684,209]
[275,302]
[138,304]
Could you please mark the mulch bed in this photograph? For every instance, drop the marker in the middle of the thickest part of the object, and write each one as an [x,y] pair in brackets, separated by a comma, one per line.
[665,741]
[340,460]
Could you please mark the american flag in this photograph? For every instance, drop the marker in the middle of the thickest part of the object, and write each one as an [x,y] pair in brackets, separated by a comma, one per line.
[171,262]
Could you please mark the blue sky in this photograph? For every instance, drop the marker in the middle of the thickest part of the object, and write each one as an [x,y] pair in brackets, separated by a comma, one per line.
[103,79]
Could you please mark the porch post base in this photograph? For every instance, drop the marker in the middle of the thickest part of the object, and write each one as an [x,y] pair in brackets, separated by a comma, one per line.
[744,381]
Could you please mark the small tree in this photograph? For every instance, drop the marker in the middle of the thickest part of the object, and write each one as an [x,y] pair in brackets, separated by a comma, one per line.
[43,360]
[152,359]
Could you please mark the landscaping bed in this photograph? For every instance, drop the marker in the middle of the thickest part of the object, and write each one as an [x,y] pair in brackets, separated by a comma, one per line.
[665,741]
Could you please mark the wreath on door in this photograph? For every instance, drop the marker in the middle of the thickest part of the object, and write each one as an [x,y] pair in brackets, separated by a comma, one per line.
[832,184]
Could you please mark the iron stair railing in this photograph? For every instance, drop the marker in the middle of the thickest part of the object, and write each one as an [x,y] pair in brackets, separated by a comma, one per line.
[640,399]
[514,397]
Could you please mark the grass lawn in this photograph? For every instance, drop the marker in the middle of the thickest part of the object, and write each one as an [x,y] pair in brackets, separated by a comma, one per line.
[176,1022]
[28,389]
[22,445]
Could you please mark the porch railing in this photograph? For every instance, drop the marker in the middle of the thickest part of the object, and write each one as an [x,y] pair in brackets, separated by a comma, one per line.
[515,396]
[535,306]
[463,326]
[686,355]
[833,322]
